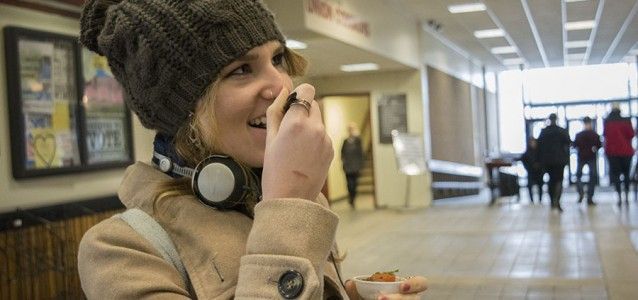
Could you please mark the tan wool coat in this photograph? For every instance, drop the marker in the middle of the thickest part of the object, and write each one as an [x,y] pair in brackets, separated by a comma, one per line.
[226,254]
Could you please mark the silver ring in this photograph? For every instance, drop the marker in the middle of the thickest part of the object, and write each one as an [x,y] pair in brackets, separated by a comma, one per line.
[303,103]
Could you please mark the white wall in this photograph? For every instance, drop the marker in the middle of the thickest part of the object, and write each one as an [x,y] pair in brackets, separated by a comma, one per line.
[438,52]
[392,34]
[390,184]
[57,189]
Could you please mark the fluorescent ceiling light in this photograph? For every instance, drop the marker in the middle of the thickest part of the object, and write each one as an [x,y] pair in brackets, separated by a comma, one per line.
[489,33]
[580,25]
[359,67]
[464,8]
[577,44]
[513,61]
[503,50]
[297,45]
[569,1]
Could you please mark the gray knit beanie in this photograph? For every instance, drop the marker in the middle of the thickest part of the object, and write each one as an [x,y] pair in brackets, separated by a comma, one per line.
[165,53]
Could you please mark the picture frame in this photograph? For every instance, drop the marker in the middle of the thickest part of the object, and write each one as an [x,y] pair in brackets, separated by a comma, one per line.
[393,115]
[55,127]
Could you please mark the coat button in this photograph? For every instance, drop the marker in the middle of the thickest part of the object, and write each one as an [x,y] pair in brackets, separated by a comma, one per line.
[290,284]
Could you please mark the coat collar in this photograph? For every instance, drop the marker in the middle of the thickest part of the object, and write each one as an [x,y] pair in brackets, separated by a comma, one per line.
[139,183]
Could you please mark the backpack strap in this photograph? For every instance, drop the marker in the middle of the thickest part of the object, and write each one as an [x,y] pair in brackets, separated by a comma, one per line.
[147,227]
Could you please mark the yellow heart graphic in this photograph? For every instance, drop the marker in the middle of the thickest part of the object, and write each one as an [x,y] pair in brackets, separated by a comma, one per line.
[44,146]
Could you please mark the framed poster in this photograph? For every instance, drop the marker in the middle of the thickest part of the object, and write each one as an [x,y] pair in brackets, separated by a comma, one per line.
[392,116]
[48,123]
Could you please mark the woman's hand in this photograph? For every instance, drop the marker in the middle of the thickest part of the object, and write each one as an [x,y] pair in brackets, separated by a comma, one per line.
[298,150]
[410,289]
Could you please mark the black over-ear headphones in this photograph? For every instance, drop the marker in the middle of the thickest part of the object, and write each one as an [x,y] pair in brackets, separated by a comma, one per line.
[218,181]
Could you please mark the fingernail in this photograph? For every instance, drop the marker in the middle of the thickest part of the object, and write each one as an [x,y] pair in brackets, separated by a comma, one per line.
[406,287]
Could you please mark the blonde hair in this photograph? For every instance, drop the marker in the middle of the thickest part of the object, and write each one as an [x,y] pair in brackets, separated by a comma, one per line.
[197,139]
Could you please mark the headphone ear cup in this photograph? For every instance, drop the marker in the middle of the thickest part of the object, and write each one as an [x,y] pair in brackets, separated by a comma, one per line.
[219,181]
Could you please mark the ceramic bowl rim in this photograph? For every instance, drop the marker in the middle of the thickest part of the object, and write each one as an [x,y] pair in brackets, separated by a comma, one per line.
[360,278]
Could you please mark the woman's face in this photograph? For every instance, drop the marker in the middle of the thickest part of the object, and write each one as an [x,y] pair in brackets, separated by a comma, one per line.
[246,88]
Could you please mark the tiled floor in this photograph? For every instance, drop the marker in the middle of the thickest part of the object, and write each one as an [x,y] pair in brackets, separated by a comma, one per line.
[509,251]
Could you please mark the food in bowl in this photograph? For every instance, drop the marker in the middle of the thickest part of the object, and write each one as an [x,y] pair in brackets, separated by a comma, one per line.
[379,283]
[388,276]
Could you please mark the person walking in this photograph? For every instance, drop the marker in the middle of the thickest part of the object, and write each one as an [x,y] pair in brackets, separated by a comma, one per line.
[587,143]
[618,133]
[352,158]
[532,164]
[553,146]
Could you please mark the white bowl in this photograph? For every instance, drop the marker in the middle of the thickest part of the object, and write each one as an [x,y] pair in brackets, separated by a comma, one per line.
[370,290]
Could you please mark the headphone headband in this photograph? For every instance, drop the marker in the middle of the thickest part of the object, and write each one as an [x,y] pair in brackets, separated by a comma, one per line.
[166,165]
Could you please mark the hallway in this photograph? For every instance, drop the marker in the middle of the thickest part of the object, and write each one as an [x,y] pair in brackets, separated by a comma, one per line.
[509,251]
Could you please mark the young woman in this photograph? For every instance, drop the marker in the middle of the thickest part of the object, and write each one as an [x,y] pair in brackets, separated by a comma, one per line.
[238,160]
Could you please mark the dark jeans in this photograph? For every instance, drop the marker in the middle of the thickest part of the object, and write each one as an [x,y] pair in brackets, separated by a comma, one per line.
[535,179]
[555,183]
[619,165]
[593,177]
[352,179]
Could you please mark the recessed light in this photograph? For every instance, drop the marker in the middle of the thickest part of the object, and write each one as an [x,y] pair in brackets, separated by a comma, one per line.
[503,50]
[465,8]
[489,33]
[297,45]
[579,25]
[359,67]
[513,61]
[577,44]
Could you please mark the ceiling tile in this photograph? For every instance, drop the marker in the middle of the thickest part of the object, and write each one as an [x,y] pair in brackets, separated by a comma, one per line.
[611,20]
[512,17]
[547,17]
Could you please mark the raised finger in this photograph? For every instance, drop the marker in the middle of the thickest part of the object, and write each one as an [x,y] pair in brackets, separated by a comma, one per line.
[305,92]
[275,114]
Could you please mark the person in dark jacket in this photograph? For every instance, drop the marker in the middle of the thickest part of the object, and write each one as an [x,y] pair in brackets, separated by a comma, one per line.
[532,164]
[587,143]
[352,157]
[618,133]
[553,147]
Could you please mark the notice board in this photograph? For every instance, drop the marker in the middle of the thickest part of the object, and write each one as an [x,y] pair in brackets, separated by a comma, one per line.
[392,116]
[409,152]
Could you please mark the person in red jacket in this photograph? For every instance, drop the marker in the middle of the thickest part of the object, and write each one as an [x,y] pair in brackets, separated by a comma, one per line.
[618,133]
